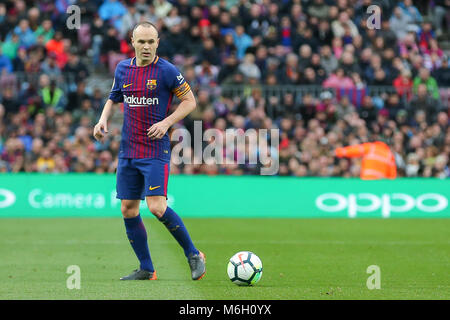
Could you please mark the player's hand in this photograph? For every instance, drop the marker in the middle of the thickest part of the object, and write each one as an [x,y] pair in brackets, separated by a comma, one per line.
[100,130]
[157,130]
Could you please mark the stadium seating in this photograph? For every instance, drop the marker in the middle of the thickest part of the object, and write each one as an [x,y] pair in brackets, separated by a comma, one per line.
[231,78]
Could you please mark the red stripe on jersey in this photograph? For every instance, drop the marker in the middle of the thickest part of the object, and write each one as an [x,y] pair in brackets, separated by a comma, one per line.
[147,114]
[143,112]
[168,103]
[147,122]
[134,122]
[154,111]
[139,113]
[159,144]
[131,113]
[150,110]
[166,177]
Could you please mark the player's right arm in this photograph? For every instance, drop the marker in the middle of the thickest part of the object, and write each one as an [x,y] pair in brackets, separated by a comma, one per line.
[101,128]
[115,96]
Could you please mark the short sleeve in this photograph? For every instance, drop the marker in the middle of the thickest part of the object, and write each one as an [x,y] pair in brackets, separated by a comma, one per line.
[116,93]
[177,83]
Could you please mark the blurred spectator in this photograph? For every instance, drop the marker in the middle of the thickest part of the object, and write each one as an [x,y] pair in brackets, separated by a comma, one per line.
[327,60]
[51,95]
[345,108]
[206,74]
[394,105]
[318,9]
[403,84]
[440,14]
[45,30]
[248,67]
[338,80]
[348,64]
[9,102]
[442,74]
[399,23]
[10,47]
[50,67]
[424,77]
[129,20]
[20,60]
[45,162]
[424,100]
[209,52]
[323,33]
[162,8]
[112,11]
[368,111]
[425,34]
[75,67]
[410,10]
[408,46]
[378,162]
[241,40]
[56,46]
[26,36]
[76,98]
[339,26]
[5,63]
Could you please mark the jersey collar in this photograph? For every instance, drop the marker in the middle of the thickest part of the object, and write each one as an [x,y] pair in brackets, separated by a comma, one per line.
[133,61]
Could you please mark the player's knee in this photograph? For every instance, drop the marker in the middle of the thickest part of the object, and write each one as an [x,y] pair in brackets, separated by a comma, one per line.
[157,209]
[129,210]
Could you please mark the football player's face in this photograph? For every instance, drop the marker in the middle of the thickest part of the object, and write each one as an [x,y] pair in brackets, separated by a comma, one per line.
[145,42]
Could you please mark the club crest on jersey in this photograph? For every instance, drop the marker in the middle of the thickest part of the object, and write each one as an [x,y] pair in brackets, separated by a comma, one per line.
[151,84]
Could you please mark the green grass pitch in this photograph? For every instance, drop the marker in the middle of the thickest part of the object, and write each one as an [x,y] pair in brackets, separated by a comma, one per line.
[302,259]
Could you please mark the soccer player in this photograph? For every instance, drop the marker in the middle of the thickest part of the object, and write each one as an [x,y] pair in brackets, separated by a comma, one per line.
[146,84]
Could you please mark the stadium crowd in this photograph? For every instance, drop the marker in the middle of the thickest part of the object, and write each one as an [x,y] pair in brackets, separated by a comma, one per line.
[48,108]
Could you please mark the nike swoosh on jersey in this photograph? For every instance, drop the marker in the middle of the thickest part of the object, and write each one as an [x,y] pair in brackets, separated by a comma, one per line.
[127,85]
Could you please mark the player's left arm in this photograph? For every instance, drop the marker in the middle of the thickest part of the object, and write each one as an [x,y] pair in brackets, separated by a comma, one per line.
[186,106]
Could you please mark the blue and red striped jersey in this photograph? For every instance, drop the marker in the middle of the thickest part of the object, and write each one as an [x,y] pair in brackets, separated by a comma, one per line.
[146,93]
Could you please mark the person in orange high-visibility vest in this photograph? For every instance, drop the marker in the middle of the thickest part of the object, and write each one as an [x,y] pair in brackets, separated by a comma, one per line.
[378,161]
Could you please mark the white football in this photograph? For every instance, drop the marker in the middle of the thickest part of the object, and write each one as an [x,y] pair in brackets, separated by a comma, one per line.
[244,268]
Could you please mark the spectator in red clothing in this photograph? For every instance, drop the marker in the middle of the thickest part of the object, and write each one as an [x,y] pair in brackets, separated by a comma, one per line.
[403,84]
[125,45]
[56,46]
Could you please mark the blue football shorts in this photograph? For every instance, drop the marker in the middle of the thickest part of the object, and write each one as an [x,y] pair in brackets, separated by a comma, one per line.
[140,178]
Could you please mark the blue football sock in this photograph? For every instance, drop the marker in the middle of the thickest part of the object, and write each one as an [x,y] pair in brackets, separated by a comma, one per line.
[138,239]
[176,227]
